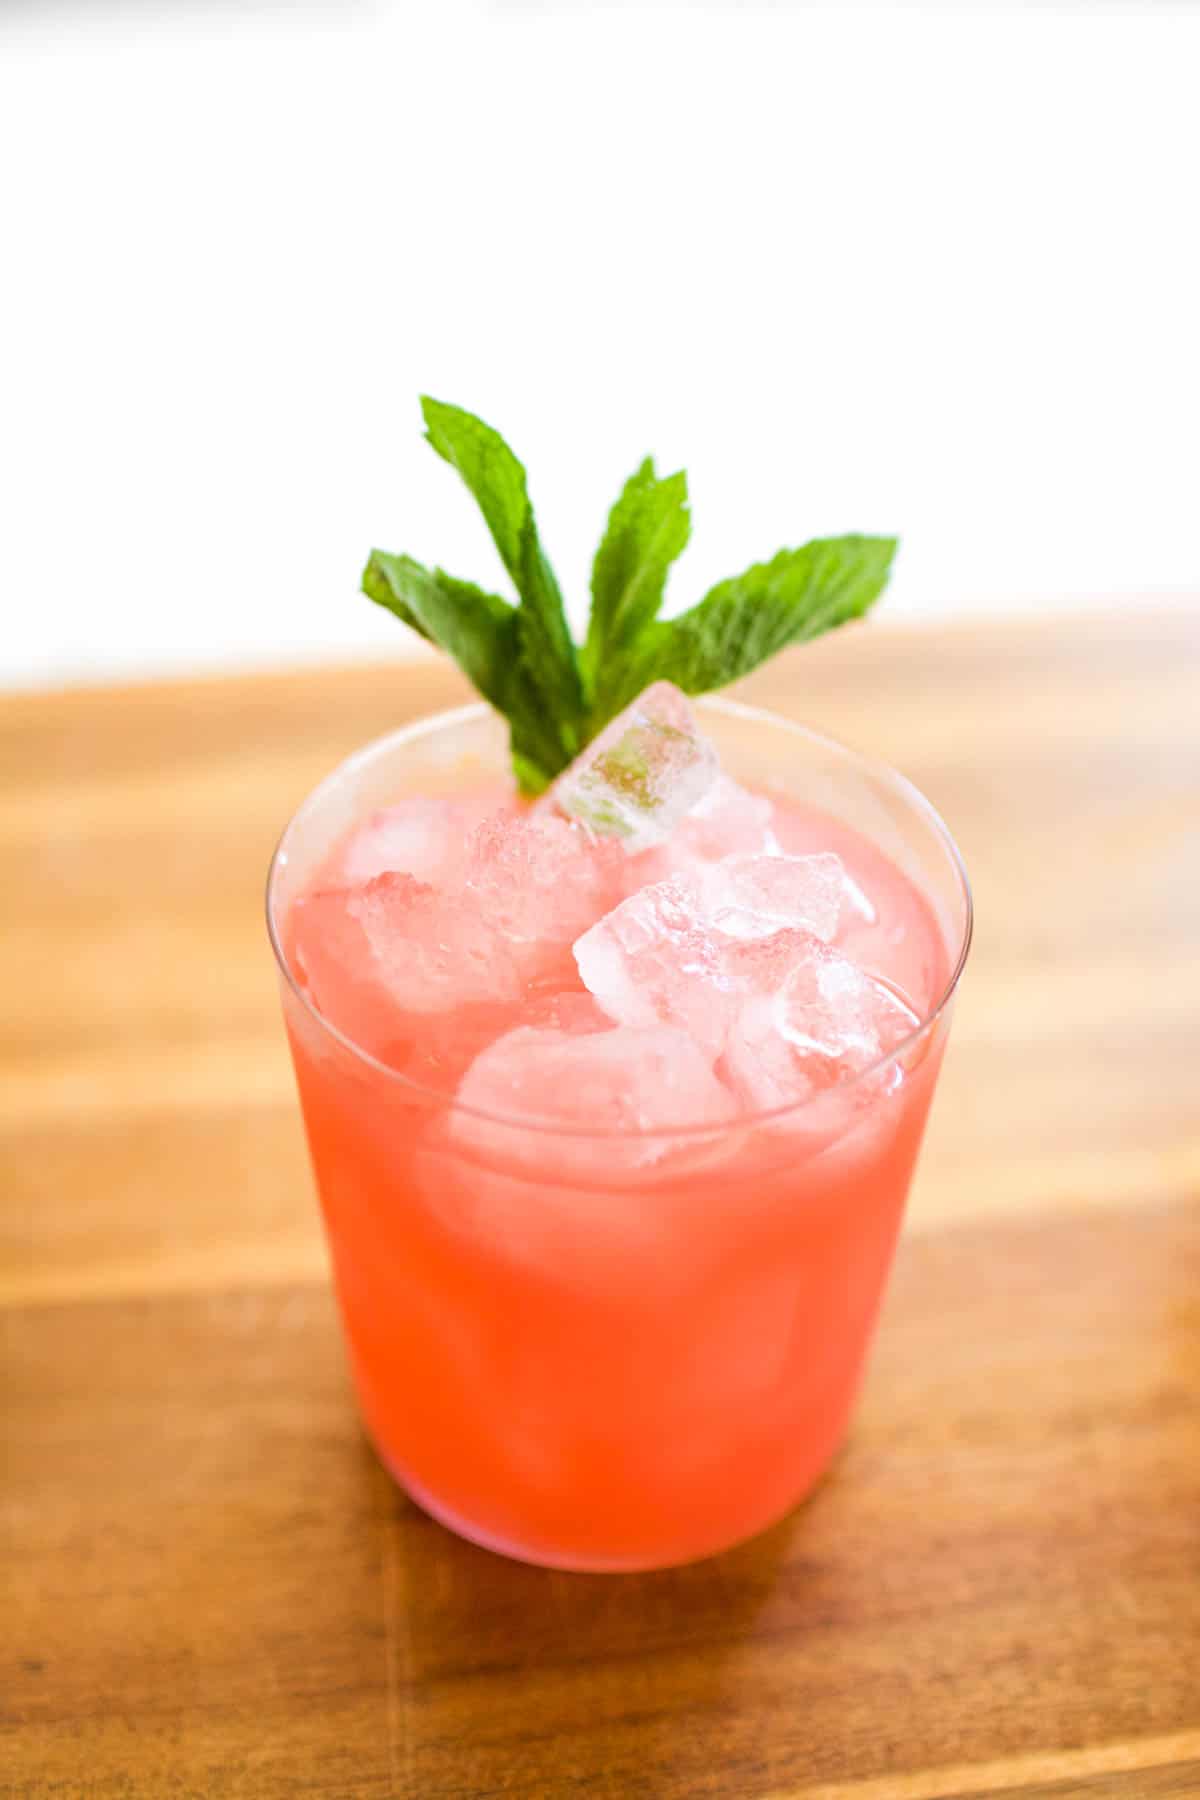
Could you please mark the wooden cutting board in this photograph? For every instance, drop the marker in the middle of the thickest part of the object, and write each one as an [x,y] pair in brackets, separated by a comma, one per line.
[209,1588]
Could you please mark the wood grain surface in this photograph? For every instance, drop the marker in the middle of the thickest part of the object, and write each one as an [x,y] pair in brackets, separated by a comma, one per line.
[209,1587]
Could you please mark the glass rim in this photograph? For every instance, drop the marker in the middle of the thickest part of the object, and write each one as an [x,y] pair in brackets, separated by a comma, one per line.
[475,712]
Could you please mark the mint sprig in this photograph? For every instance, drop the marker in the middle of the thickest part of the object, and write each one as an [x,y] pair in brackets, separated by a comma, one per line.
[522,658]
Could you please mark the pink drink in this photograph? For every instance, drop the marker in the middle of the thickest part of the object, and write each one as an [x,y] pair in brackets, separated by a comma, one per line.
[613,1141]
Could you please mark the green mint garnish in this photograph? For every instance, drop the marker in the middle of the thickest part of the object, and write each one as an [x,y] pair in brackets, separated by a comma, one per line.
[557,696]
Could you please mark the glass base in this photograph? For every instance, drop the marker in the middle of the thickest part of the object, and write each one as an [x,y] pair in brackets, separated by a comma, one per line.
[588,1565]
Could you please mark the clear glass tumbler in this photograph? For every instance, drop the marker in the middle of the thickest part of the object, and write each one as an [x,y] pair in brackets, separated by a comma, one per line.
[601,1351]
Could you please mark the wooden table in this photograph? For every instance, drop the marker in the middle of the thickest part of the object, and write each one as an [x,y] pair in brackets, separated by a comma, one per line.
[211,1589]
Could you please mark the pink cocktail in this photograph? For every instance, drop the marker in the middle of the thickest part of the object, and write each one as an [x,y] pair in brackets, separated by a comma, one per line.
[613,1125]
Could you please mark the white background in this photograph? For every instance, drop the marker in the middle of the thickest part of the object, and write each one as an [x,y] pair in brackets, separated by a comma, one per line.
[930,269]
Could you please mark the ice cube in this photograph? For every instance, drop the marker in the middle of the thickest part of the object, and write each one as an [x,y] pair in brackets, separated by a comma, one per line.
[395,946]
[728,820]
[831,1008]
[667,953]
[541,880]
[764,894]
[517,892]
[658,959]
[762,1067]
[822,1021]
[606,1115]
[643,774]
[623,1080]
[423,836]
[434,949]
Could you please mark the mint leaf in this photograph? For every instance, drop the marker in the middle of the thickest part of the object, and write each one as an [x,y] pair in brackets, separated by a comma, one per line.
[497,480]
[481,632]
[474,627]
[742,621]
[490,470]
[647,529]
